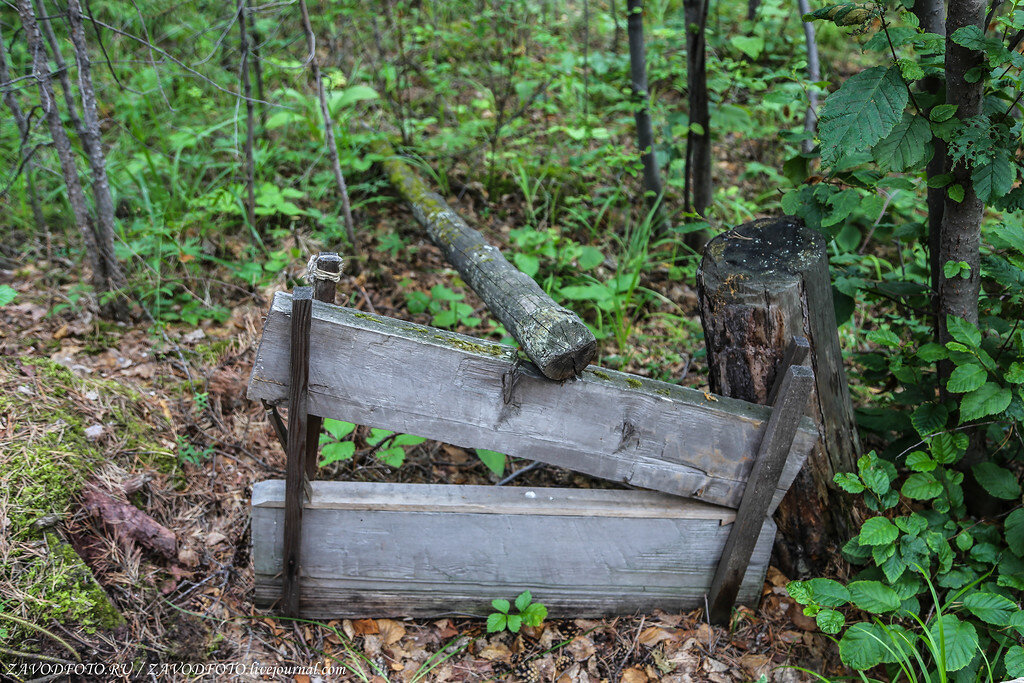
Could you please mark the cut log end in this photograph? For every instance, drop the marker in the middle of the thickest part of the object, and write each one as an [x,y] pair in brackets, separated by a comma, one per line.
[770,248]
[558,343]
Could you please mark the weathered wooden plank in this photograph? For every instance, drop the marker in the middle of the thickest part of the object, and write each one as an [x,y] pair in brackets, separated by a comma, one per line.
[752,515]
[423,550]
[551,336]
[298,364]
[409,378]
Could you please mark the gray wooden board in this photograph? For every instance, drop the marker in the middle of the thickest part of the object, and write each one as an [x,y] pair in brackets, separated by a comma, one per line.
[371,549]
[440,385]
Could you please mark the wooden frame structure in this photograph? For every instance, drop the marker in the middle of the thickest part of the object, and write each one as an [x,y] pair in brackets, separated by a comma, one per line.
[718,467]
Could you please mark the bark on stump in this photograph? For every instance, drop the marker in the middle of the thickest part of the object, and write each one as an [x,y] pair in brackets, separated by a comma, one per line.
[759,285]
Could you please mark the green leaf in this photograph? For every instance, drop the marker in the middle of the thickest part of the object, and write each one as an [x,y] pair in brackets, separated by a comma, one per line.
[355,93]
[878,531]
[799,591]
[523,601]
[534,614]
[393,457]
[338,429]
[991,608]
[966,378]
[906,147]
[919,461]
[493,460]
[1014,661]
[501,605]
[921,486]
[7,294]
[863,111]
[408,440]
[496,622]
[849,482]
[884,338]
[972,37]
[994,179]
[929,418]
[752,46]
[828,593]
[830,621]
[339,450]
[515,622]
[947,448]
[932,352]
[861,647]
[590,257]
[999,482]
[1014,529]
[377,436]
[988,399]
[1015,375]
[527,263]
[874,597]
[959,639]
[956,192]
[943,112]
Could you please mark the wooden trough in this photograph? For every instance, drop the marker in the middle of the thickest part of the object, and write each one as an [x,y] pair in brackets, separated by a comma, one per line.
[718,467]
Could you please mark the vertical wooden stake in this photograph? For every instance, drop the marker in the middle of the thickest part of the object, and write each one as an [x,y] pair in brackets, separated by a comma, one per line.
[302,313]
[323,274]
[764,479]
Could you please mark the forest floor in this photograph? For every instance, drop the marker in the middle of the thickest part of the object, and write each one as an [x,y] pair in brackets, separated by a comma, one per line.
[159,419]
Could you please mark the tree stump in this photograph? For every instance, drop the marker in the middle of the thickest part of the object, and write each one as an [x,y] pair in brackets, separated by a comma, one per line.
[761,284]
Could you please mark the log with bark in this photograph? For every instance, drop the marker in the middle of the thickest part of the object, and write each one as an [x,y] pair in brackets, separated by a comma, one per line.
[760,285]
[130,523]
[551,336]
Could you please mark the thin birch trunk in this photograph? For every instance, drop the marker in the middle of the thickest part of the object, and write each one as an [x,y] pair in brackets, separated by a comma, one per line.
[104,226]
[26,153]
[332,147]
[76,196]
[814,75]
[250,165]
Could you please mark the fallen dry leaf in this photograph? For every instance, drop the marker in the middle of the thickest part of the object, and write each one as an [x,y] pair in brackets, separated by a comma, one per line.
[653,635]
[390,631]
[495,652]
[634,675]
[365,627]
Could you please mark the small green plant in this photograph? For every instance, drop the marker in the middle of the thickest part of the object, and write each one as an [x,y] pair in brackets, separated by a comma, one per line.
[446,307]
[493,460]
[529,614]
[390,447]
[7,294]
[334,445]
[190,453]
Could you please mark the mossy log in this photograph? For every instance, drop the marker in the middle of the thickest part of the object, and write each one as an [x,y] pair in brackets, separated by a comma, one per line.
[551,336]
[760,285]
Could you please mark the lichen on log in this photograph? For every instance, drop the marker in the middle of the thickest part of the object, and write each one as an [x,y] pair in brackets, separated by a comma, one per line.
[551,336]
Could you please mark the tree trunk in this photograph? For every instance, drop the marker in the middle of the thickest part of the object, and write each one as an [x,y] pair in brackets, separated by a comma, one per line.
[760,285]
[653,189]
[257,63]
[814,75]
[28,164]
[698,143]
[960,235]
[931,15]
[104,227]
[554,338]
[61,143]
[250,165]
[332,147]
[63,76]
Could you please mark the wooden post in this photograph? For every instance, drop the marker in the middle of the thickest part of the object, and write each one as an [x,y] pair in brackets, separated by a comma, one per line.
[778,437]
[759,285]
[323,273]
[302,314]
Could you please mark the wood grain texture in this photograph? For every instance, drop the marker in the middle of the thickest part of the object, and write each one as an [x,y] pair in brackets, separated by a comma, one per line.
[419,380]
[324,289]
[759,285]
[553,337]
[793,392]
[298,396]
[437,549]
